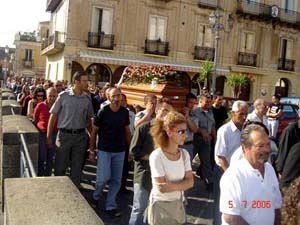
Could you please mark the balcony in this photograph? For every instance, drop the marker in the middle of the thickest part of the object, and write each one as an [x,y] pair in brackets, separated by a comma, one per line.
[204,53]
[156,47]
[286,64]
[28,63]
[247,59]
[52,5]
[210,4]
[53,44]
[101,40]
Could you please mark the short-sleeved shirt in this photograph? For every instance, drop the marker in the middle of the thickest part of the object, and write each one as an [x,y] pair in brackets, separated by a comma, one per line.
[206,119]
[228,140]
[41,114]
[161,166]
[112,129]
[141,114]
[245,192]
[275,108]
[253,117]
[73,111]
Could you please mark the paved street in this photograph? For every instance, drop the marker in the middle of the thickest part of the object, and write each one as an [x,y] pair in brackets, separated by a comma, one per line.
[199,209]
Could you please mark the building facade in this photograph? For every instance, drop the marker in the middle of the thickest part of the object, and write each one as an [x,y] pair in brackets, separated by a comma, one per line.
[102,37]
[28,59]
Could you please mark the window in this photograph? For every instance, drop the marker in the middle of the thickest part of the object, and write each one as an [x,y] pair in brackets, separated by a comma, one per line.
[204,36]
[247,42]
[286,49]
[102,20]
[28,54]
[288,4]
[157,28]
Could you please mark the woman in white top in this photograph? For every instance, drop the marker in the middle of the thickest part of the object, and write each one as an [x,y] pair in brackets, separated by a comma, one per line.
[170,168]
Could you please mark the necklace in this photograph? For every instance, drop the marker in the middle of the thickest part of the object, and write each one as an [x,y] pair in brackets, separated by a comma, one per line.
[172,153]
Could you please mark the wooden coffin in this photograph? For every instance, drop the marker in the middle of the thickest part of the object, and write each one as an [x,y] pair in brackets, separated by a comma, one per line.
[136,93]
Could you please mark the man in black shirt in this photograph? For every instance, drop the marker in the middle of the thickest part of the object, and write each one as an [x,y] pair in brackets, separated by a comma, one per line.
[274,113]
[112,125]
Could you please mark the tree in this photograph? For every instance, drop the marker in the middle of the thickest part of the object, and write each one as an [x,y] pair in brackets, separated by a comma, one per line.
[237,81]
[205,74]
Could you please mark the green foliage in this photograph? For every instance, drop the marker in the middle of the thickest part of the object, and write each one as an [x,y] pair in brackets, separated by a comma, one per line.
[237,81]
[205,74]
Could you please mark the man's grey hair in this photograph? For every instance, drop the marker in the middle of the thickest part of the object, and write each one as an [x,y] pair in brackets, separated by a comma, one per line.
[237,104]
[246,133]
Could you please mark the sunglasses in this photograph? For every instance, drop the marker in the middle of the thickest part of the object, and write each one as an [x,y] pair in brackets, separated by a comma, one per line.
[181,131]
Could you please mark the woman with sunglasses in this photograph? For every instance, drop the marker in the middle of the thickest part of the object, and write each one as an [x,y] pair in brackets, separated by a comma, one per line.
[170,170]
[38,96]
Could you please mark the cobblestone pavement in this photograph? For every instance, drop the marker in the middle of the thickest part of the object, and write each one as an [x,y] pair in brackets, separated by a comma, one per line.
[199,209]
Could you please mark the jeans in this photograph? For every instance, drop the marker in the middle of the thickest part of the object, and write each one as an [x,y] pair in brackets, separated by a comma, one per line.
[46,155]
[140,203]
[273,127]
[109,168]
[216,195]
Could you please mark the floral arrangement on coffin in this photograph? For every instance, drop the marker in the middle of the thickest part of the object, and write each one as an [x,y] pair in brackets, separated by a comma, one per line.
[147,74]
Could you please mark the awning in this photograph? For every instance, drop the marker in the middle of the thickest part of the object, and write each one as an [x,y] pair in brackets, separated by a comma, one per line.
[106,58]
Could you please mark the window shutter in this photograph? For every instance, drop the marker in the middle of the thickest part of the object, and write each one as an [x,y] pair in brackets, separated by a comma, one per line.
[106,21]
[200,35]
[289,48]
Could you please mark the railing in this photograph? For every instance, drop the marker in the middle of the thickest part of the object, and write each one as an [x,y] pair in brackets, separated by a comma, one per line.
[265,11]
[57,40]
[26,166]
[208,3]
[247,59]
[286,64]
[204,53]
[101,40]
[156,47]
[27,63]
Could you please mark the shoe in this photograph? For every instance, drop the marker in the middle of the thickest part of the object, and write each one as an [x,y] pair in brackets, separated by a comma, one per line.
[94,203]
[113,212]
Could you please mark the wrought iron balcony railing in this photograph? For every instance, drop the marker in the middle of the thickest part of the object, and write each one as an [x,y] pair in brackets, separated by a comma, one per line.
[212,4]
[268,12]
[28,63]
[53,44]
[156,47]
[204,53]
[286,64]
[247,59]
[101,40]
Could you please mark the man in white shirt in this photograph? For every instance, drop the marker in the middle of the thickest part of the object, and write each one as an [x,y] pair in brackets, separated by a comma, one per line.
[259,112]
[228,140]
[249,189]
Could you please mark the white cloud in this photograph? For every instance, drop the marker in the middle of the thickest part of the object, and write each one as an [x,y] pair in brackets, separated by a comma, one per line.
[20,15]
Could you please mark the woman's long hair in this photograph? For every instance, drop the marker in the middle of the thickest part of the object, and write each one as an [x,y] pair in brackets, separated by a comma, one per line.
[160,127]
[37,90]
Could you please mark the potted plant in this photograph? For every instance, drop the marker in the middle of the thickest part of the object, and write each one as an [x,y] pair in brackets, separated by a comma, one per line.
[205,74]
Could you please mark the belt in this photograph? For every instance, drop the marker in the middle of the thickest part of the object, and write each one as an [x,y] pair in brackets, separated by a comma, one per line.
[188,142]
[78,131]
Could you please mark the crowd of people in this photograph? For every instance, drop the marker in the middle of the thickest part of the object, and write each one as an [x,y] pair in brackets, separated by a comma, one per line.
[80,121]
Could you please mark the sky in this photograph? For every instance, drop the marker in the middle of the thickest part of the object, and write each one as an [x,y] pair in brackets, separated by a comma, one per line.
[20,15]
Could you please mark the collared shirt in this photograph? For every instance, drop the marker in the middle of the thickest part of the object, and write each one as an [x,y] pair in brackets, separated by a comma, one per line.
[253,117]
[228,140]
[41,114]
[73,111]
[206,119]
[245,192]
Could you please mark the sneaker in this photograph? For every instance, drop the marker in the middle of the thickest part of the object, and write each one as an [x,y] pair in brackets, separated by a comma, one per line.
[113,212]
[94,203]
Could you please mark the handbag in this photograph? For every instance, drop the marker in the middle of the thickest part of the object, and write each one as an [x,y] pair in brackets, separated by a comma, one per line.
[167,212]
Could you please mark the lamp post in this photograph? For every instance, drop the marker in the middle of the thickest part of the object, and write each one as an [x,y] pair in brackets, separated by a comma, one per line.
[214,21]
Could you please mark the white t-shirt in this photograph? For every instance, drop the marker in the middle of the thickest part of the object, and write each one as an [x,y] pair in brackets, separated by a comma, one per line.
[253,117]
[228,140]
[246,193]
[161,166]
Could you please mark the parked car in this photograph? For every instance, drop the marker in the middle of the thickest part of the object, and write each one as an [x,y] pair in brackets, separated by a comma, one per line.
[290,114]
[292,100]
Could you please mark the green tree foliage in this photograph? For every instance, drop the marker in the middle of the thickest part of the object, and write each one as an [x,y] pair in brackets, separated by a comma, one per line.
[237,81]
[205,74]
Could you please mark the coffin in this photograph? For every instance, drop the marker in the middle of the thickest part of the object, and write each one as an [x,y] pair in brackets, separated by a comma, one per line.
[136,93]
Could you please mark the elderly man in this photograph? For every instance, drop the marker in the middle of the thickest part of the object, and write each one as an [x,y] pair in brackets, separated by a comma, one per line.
[259,112]
[249,189]
[228,140]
